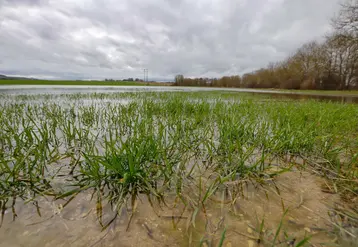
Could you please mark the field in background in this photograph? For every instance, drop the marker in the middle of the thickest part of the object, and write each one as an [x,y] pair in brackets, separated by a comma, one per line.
[353,93]
[321,92]
[77,83]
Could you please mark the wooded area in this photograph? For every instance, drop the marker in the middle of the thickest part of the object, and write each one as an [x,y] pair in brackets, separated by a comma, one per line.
[330,65]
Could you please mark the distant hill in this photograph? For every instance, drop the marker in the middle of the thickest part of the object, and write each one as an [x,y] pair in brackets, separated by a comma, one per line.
[4,77]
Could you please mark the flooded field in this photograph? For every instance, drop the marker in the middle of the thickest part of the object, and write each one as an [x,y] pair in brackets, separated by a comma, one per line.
[77,223]
[179,168]
[58,89]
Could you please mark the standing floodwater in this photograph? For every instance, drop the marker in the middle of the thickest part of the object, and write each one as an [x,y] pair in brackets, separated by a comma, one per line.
[179,168]
[37,89]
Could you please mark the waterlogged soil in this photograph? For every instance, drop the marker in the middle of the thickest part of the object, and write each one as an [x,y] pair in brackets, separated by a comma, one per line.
[309,214]
[310,211]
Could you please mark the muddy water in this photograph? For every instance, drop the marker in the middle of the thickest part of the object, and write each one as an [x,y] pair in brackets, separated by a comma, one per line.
[309,213]
[77,225]
[48,89]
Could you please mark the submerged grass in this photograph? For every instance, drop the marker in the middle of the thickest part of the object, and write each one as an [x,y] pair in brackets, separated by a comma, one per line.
[170,147]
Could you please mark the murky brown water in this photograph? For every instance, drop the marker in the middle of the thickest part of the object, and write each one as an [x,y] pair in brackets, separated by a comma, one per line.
[310,213]
[77,225]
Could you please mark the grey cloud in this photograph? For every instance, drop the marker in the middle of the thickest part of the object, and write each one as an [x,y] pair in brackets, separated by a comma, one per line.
[26,2]
[109,38]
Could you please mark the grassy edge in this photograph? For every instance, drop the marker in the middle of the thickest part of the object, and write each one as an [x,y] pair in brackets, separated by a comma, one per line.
[78,83]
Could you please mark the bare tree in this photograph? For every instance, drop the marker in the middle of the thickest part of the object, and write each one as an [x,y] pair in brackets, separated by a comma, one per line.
[347,20]
[179,80]
[332,64]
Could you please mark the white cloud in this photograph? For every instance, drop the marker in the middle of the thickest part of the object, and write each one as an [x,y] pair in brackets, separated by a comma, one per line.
[117,39]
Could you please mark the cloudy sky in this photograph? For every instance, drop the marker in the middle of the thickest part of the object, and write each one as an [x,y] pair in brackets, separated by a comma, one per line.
[96,39]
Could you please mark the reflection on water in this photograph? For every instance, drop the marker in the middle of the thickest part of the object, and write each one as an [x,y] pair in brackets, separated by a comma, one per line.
[57,89]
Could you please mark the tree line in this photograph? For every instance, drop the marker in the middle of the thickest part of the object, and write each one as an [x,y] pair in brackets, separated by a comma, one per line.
[331,64]
[128,79]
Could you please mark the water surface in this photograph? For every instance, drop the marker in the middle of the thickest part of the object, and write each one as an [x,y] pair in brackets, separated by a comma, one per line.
[65,89]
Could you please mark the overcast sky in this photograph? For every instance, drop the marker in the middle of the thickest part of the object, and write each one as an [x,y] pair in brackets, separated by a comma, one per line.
[96,39]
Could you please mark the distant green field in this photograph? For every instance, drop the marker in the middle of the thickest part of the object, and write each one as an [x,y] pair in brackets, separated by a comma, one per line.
[87,83]
[321,92]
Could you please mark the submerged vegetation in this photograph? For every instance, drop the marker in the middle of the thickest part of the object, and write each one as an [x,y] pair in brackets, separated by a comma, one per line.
[178,151]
